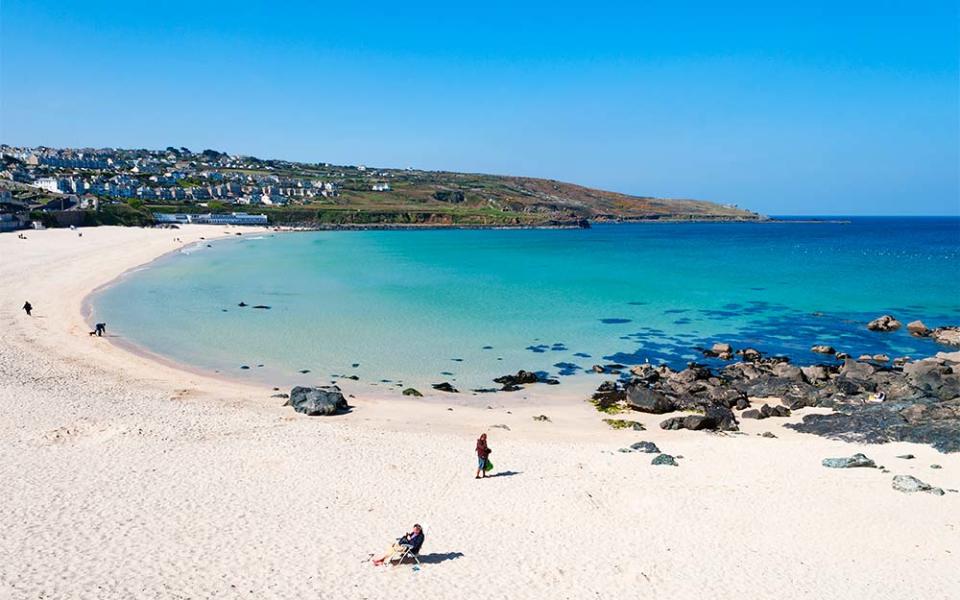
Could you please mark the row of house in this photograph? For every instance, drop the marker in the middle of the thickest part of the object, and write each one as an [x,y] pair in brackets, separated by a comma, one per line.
[234,218]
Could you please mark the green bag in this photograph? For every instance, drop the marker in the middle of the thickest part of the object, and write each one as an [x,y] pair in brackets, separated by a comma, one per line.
[487,466]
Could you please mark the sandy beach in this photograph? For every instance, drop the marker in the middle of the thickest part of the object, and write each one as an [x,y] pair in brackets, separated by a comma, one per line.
[128,477]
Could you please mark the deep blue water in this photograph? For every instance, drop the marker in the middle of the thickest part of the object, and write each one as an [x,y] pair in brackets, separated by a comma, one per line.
[417,307]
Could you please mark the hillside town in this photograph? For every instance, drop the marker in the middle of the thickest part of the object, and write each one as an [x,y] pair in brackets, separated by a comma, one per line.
[174,174]
[56,181]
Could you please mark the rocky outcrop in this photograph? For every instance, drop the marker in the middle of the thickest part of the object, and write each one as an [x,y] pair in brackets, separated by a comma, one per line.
[884,323]
[872,402]
[949,336]
[445,387]
[313,401]
[823,349]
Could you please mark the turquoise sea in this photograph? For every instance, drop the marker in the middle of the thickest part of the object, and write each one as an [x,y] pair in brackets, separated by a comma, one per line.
[420,307]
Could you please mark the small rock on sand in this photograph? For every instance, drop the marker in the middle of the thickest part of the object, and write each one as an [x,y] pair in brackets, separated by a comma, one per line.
[857,460]
[647,447]
[910,484]
[664,459]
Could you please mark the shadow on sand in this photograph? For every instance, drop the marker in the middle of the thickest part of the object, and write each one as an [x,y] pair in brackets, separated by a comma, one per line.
[436,558]
[505,474]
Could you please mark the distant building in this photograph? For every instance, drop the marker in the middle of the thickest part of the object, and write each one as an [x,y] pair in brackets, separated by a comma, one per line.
[380,187]
[52,184]
[236,218]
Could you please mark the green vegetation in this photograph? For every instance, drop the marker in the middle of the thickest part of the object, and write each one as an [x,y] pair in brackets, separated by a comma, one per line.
[624,424]
[118,214]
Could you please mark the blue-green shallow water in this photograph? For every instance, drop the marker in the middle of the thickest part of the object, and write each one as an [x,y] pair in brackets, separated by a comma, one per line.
[420,307]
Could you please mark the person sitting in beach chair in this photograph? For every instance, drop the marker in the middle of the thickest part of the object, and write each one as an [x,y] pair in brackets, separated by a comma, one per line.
[407,545]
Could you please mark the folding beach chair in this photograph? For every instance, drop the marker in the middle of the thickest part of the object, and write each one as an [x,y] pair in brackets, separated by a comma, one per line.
[408,551]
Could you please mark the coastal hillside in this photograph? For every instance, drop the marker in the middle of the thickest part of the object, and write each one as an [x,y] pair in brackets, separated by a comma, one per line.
[119,186]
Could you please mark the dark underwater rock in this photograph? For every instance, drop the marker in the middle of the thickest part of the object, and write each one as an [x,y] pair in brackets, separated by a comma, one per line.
[520,378]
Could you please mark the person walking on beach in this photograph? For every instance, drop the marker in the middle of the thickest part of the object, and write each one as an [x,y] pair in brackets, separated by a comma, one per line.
[27,307]
[483,456]
[100,329]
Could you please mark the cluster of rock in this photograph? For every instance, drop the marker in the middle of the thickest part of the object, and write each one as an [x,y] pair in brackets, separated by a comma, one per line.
[512,383]
[902,483]
[948,336]
[913,401]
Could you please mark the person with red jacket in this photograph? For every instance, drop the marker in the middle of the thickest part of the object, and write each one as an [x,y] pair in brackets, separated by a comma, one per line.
[483,455]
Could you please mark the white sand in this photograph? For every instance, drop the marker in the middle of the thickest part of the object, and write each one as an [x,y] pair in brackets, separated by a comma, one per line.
[126,478]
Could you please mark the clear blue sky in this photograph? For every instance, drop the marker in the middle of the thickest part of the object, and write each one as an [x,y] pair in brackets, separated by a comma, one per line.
[821,108]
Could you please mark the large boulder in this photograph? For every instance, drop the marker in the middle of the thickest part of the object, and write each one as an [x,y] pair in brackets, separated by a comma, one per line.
[934,377]
[323,400]
[815,373]
[856,377]
[918,329]
[855,369]
[884,323]
[714,418]
[823,349]
[644,399]
[788,371]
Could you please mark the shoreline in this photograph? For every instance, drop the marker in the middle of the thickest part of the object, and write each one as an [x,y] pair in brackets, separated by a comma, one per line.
[131,478]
